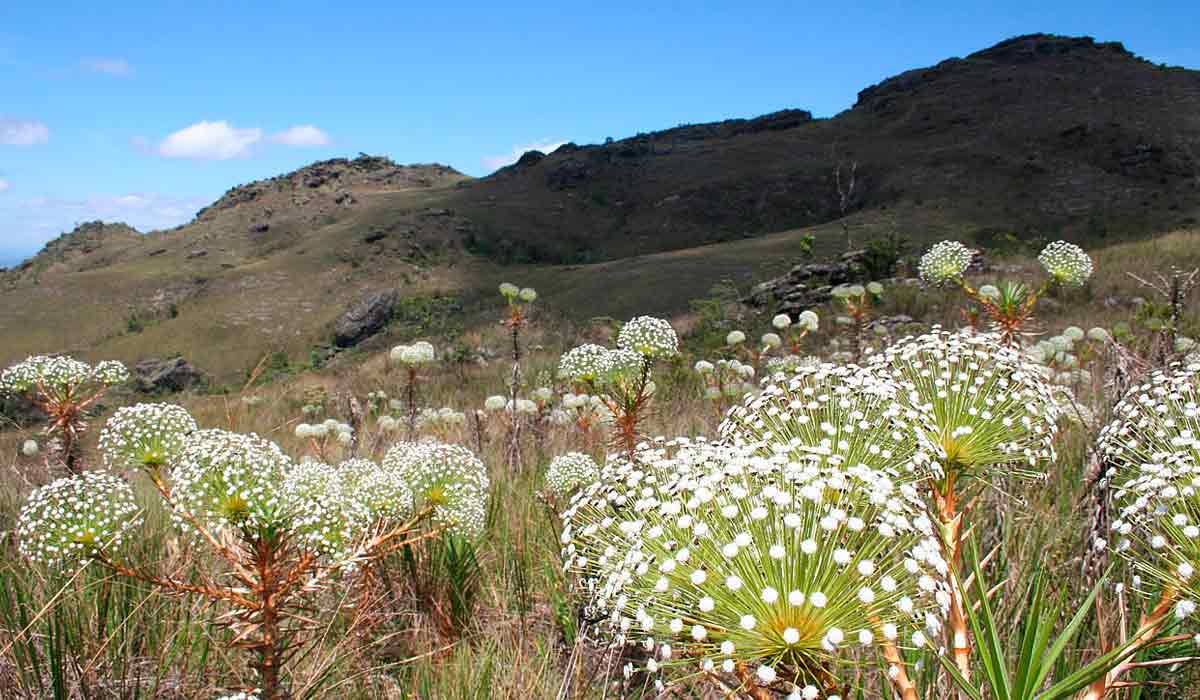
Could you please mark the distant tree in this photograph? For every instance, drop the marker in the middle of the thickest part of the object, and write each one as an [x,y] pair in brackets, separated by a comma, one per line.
[847,190]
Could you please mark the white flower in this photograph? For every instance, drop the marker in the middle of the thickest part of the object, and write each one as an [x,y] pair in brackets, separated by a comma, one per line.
[781,321]
[649,336]
[1066,263]
[944,261]
[29,448]
[735,338]
[69,520]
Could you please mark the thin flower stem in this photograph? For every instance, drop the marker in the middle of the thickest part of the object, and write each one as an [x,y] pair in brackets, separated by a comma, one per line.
[1150,627]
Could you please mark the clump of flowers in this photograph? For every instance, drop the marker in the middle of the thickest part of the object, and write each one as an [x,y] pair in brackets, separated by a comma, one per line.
[584,364]
[990,405]
[383,492]
[412,358]
[1066,263]
[450,479]
[145,435]
[650,337]
[857,301]
[989,411]
[67,521]
[325,435]
[326,514]
[726,380]
[739,558]
[229,480]
[802,415]
[622,377]
[945,261]
[1009,305]
[30,448]
[64,389]
[569,472]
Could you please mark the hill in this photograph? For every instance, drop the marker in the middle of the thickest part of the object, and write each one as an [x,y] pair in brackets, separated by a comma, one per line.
[1041,136]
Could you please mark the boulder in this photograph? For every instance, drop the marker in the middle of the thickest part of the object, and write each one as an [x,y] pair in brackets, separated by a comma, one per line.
[156,376]
[365,318]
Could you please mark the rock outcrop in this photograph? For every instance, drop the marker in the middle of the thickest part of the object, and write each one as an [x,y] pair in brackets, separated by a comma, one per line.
[165,376]
[365,318]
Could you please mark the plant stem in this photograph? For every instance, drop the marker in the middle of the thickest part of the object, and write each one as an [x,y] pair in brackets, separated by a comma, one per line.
[899,679]
[951,525]
[1149,628]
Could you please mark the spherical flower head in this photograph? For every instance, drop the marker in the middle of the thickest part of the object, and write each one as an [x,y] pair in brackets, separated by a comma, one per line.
[526,407]
[495,403]
[69,520]
[843,413]
[735,338]
[875,289]
[569,472]
[419,353]
[781,321]
[1066,263]
[775,562]
[1098,335]
[110,373]
[509,291]
[30,448]
[585,363]
[1153,447]
[145,435]
[543,394]
[1075,333]
[624,364]
[990,291]
[704,367]
[650,336]
[946,260]
[808,321]
[230,480]
[448,478]
[990,403]
[527,294]
[771,340]
[324,513]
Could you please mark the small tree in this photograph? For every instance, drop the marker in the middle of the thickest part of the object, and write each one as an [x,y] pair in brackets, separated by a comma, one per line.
[64,389]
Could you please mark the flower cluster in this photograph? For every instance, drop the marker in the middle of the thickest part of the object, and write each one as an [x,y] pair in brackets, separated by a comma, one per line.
[569,472]
[343,433]
[586,363]
[1153,445]
[726,378]
[146,435]
[989,403]
[450,478]
[946,260]
[651,337]
[30,448]
[383,492]
[835,414]
[324,512]
[419,353]
[515,294]
[59,375]
[70,519]
[1066,263]
[230,480]
[728,554]
[440,418]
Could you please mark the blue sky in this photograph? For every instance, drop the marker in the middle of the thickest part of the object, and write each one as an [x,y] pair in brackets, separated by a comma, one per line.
[145,111]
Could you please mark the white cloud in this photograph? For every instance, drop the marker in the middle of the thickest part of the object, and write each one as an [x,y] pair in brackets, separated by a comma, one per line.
[17,132]
[118,67]
[304,136]
[3,185]
[27,224]
[496,162]
[209,141]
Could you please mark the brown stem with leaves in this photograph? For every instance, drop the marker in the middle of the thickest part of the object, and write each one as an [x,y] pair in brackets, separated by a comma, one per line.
[951,528]
[1152,624]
